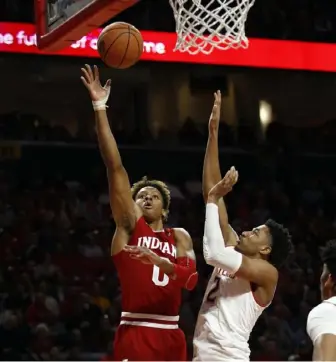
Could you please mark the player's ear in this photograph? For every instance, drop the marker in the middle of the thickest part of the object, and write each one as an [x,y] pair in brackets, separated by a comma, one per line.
[165,214]
[329,282]
[265,250]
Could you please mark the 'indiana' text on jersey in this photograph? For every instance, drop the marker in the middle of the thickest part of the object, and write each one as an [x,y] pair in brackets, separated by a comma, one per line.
[144,287]
[154,243]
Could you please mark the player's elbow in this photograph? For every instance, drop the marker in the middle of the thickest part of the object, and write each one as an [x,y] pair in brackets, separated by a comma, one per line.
[206,193]
[227,259]
[212,260]
[207,185]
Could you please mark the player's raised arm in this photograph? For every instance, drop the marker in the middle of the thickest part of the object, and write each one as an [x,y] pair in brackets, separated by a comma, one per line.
[125,211]
[211,171]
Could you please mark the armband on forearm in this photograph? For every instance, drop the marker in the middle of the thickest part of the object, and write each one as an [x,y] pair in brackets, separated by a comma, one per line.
[185,273]
[214,250]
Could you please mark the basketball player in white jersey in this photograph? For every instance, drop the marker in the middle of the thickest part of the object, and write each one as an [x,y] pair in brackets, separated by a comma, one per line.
[245,272]
[321,322]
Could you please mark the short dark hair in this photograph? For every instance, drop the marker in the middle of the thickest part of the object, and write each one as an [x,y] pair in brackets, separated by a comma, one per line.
[159,185]
[328,257]
[281,245]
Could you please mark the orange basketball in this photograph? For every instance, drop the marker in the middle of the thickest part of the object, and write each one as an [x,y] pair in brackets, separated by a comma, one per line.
[120,45]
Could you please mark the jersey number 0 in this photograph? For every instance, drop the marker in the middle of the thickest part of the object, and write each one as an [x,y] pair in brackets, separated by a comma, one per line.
[160,282]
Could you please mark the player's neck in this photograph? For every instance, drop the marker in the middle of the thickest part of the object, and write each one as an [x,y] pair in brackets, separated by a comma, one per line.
[324,298]
[332,294]
[156,225]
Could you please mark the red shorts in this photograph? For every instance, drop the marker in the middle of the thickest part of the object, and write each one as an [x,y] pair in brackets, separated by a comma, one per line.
[138,343]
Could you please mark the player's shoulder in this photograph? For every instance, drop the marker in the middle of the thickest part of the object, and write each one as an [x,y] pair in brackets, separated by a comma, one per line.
[181,232]
[323,313]
[321,320]
[319,311]
[183,238]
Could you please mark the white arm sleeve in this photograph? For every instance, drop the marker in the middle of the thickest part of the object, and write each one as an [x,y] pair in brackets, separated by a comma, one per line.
[214,250]
[321,320]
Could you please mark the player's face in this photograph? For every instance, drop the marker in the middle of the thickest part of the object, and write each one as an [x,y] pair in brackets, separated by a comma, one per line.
[255,241]
[151,203]
[326,283]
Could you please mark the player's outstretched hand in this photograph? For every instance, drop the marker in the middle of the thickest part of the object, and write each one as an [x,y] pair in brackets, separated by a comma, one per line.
[215,113]
[142,254]
[91,81]
[224,186]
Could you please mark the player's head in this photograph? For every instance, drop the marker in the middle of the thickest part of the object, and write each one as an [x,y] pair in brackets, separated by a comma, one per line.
[328,276]
[270,241]
[153,197]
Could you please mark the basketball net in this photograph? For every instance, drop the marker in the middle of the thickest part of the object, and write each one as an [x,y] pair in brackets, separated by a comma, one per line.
[203,25]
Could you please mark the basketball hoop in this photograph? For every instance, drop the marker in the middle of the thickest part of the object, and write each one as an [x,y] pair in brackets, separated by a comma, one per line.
[203,25]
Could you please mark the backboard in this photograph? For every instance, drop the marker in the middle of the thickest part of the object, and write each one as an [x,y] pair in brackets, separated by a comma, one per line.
[59,23]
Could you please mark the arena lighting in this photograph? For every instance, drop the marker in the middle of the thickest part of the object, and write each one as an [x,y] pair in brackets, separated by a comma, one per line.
[158,47]
[265,114]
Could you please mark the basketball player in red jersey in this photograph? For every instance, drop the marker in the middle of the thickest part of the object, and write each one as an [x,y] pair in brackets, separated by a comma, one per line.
[153,263]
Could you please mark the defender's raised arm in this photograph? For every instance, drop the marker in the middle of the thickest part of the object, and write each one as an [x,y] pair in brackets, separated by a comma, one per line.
[211,171]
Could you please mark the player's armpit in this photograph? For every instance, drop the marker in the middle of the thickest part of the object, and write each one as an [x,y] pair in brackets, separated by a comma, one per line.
[325,348]
[119,241]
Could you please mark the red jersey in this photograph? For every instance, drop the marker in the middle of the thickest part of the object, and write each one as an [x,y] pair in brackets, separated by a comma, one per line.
[144,288]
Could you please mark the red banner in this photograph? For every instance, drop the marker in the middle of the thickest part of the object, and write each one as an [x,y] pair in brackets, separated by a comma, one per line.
[159,47]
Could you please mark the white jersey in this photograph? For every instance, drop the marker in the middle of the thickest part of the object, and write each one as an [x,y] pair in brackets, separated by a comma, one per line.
[322,319]
[226,319]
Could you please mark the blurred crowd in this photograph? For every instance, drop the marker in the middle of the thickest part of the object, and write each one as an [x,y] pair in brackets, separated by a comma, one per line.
[59,291]
[319,138]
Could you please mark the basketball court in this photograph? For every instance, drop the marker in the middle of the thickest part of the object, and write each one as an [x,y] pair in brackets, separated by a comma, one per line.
[201,25]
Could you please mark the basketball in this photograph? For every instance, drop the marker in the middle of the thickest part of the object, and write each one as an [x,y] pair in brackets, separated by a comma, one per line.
[120,45]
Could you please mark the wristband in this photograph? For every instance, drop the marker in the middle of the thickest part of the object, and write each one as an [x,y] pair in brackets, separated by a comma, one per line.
[100,105]
[185,272]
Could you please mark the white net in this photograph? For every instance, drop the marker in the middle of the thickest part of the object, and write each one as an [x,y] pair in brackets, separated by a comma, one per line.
[203,25]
